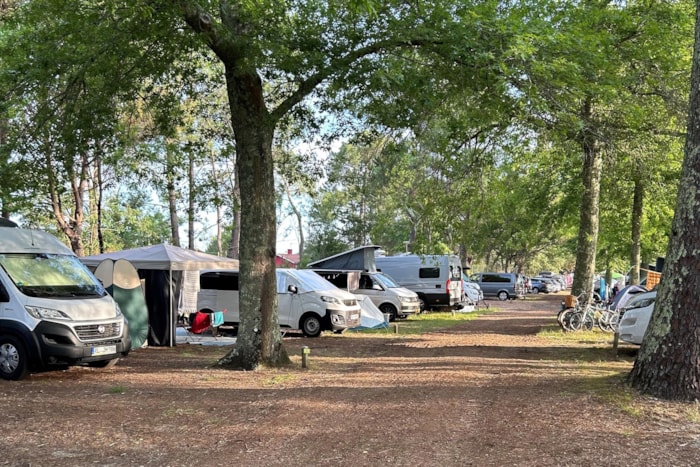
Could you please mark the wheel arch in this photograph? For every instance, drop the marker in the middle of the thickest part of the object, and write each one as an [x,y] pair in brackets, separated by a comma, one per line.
[26,337]
[324,320]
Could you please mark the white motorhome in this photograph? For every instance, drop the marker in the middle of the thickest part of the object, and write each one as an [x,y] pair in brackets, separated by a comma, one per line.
[305,301]
[385,293]
[437,279]
[53,311]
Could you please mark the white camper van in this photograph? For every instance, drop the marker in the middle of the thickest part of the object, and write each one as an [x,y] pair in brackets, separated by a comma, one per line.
[53,311]
[437,279]
[305,301]
[385,293]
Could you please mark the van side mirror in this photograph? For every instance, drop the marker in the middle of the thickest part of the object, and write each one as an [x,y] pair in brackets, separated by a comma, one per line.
[292,288]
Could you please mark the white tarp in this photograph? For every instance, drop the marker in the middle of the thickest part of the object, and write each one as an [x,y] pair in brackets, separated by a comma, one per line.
[371,316]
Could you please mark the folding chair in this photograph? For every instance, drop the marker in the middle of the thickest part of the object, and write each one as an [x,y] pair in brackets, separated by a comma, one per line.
[202,322]
[199,322]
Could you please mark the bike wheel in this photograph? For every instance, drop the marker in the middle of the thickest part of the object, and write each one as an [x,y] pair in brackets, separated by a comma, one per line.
[575,321]
[604,323]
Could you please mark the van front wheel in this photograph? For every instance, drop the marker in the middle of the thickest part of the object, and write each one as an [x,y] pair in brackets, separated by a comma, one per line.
[311,325]
[13,359]
[390,310]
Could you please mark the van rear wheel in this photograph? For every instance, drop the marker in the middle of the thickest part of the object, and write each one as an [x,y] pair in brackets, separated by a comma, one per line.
[503,295]
[311,325]
[13,359]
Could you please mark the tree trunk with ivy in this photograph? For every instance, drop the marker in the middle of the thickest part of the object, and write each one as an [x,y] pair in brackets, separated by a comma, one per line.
[668,362]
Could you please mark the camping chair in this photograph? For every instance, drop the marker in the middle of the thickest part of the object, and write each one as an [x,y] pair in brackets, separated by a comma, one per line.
[203,321]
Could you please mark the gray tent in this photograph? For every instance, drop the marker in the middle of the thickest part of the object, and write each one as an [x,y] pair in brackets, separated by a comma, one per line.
[161,267]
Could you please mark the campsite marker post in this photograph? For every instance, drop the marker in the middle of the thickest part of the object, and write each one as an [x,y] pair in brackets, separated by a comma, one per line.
[305,351]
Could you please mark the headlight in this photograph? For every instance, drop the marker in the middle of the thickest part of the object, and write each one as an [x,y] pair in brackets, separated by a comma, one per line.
[330,299]
[407,299]
[46,313]
[119,310]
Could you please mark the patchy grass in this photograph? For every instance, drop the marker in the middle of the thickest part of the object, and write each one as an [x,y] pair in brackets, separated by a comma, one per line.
[280,379]
[602,371]
[428,322]
[117,390]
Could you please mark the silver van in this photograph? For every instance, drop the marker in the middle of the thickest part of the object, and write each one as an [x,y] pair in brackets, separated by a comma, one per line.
[385,293]
[437,279]
[503,285]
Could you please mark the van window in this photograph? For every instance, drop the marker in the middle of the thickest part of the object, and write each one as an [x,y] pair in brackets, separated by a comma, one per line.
[429,273]
[218,281]
[494,278]
[4,296]
[339,280]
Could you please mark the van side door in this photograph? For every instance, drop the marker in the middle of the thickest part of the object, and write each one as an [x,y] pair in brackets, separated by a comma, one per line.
[289,303]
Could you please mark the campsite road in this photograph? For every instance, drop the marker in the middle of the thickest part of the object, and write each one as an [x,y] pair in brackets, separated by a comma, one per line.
[487,392]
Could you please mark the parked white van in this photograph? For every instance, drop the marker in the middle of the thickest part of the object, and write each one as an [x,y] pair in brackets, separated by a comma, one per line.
[53,311]
[437,279]
[385,293]
[305,300]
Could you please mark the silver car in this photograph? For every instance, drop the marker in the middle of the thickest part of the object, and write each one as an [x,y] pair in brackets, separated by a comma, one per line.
[636,316]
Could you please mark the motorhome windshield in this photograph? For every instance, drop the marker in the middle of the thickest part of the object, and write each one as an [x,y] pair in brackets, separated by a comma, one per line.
[386,281]
[50,275]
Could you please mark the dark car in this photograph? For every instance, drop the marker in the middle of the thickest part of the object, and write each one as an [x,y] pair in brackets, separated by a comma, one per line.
[538,285]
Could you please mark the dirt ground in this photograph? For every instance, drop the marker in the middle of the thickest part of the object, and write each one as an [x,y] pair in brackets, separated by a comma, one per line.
[490,392]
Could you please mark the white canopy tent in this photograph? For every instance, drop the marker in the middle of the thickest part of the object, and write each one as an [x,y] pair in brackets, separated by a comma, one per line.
[167,259]
[164,258]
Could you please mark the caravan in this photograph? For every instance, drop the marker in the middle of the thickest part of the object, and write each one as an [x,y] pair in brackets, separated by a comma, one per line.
[305,301]
[53,311]
[437,279]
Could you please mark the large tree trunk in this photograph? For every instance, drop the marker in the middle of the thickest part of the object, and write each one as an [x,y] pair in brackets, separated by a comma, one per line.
[587,242]
[637,211]
[259,338]
[667,362]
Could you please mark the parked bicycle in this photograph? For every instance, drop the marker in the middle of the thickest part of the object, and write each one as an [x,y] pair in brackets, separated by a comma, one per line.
[587,316]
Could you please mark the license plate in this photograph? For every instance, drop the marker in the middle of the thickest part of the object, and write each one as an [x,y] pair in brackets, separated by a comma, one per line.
[103,350]
[355,316]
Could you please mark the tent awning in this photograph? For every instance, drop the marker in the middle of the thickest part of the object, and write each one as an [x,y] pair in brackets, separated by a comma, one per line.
[165,258]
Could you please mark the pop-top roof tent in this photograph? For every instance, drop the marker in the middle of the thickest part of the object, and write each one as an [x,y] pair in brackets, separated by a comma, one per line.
[357,259]
[161,267]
